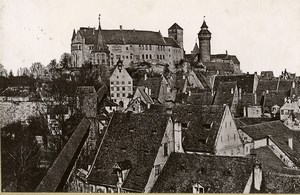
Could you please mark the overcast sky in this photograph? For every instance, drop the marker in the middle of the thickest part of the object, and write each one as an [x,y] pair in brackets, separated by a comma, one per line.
[263,34]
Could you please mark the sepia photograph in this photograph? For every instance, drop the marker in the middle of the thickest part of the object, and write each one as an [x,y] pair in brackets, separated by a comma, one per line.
[151,96]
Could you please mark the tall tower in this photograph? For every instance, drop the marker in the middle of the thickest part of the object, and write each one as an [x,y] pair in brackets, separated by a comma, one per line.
[204,37]
[176,32]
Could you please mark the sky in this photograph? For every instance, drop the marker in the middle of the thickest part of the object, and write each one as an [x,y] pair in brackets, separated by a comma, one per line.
[263,34]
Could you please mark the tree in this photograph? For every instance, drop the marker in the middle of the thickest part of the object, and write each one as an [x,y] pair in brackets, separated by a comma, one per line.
[3,71]
[20,158]
[11,74]
[65,60]
[37,70]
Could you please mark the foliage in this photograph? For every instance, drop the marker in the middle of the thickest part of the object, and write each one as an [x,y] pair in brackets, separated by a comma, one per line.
[20,158]
[65,60]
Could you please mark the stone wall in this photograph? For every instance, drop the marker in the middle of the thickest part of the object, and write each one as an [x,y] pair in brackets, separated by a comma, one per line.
[20,111]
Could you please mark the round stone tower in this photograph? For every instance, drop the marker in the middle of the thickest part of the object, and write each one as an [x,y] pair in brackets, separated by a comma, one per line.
[204,37]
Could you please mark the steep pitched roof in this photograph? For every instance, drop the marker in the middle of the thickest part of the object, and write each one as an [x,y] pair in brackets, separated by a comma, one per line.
[273,85]
[233,58]
[202,79]
[146,97]
[225,93]
[134,137]
[245,81]
[122,37]
[175,26]
[279,133]
[273,98]
[195,49]
[217,174]
[171,42]
[278,179]
[219,66]
[153,83]
[196,137]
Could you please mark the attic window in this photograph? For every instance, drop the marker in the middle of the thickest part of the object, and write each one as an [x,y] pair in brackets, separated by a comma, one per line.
[197,188]
[184,125]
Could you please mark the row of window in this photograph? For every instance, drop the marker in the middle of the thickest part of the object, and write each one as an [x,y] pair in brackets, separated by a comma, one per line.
[76,47]
[118,82]
[228,137]
[145,56]
[120,88]
[119,95]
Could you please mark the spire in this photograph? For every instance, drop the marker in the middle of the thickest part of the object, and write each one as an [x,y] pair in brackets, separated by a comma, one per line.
[204,25]
[99,27]
[74,34]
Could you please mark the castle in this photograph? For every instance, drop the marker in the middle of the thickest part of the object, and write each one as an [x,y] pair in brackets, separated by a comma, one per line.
[106,47]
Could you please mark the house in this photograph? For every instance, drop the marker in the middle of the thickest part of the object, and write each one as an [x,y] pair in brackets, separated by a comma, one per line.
[293,121]
[246,83]
[207,130]
[195,173]
[110,106]
[227,93]
[249,105]
[86,100]
[288,108]
[121,86]
[132,154]
[141,100]
[276,136]
[159,87]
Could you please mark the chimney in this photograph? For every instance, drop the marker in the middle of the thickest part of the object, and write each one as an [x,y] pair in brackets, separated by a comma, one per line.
[149,91]
[255,99]
[257,172]
[177,137]
[183,76]
[145,76]
[226,53]
[190,93]
[121,28]
[290,142]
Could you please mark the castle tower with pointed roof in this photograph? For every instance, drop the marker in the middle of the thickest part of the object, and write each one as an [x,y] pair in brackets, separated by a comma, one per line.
[176,32]
[204,37]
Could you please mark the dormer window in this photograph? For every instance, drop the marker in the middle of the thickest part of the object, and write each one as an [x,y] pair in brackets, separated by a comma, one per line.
[184,125]
[197,188]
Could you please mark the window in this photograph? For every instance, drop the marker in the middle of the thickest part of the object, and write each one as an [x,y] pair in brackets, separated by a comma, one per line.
[118,95]
[112,95]
[150,47]
[123,82]
[165,149]
[79,47]
[157,56]
[157,170]
[234,137]
[143,56]
[129,88]
[146,47]
[230,124]
[228,137]
[117,82]
[123,88]
[184,125]
[118,88]
[112,88]
[111,82]
[126,48]
[147,56]
[197,188]
[126,57]
[129,82]
[124,95]
[150,56]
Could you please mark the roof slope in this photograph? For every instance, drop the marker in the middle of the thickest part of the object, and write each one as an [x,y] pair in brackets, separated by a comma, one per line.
[225,93]
[175,26]
[217,174]
[225,57]
[273,85]
[154,84]
[196,137]
[122,37]
[245,82]
[134,137]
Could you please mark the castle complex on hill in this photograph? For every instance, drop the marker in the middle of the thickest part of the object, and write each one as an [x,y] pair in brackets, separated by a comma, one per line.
[105,47]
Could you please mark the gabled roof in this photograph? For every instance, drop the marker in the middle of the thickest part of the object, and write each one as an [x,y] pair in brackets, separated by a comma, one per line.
[245,81]
[279,133]
[134,137]
[273,85]
[217,174]
[197,137]
[122,37]
[233,58]
[225,93]
[278,179]
[146,97]
[175,26]
[154,83]
[219,66]
[202,79]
